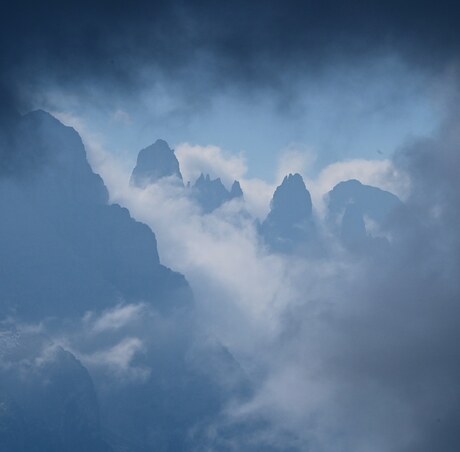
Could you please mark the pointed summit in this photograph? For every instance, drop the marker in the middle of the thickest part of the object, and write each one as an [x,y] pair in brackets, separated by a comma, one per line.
[236,191]
[292,200]
[290,221]
[82,253]
[155,162]
[211,193]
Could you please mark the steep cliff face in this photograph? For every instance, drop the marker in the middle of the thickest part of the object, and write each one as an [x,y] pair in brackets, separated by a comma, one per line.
[66,251]
[158,161]
[372,201]
[64,248]
[210,194]
[47,398]
[154,163]
[289,225]
[360,213]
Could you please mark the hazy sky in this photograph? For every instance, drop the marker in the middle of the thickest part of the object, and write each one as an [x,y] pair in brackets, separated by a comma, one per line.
[336,80]
[352,112]
[348,353]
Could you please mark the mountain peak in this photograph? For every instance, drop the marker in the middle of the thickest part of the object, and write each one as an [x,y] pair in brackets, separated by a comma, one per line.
[159,143]
[353,206]
[211,193]
[236,191]
[292,199]
[155,162]
[373,202]
[290,220]
[81,253]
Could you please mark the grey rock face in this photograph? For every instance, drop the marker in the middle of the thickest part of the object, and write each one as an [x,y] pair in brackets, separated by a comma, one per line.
[351,202]
[153,163]
[47,399]
[236,191]
[372,201]
[211,193]
[289,224]
[64,248]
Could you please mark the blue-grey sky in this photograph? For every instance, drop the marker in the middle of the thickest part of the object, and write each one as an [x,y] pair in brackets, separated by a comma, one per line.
[348,352]
[349,112]
[340,79]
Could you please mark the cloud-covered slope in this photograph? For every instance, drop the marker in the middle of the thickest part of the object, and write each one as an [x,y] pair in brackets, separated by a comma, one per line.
[64,248]
[47,398]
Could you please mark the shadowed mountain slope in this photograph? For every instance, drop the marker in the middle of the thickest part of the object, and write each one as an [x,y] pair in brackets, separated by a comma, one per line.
[64,248]
[154,163]
[360,212]
[289,226]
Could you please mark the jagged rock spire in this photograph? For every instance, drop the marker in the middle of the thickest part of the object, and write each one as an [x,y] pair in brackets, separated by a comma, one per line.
[155,162]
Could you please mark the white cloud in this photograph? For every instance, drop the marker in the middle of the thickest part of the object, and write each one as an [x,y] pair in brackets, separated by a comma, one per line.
[112,170]
[121,116]
[212,160]
[257,195]
[118,359]
[379,173]
[194,160]
[293,160]
[276,315]
[114,318]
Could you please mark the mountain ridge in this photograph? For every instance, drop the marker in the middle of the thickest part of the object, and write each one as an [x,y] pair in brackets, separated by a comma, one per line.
[59,229]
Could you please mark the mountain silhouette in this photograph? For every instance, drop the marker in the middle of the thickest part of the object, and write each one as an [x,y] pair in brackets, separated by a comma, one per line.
[289,226]
[64,248]
[211,193]
[154,163]
[66,251]
[351,204]
[53,406]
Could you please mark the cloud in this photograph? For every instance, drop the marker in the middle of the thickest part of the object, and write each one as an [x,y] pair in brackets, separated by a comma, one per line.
[212,160]
[216,162]
[344,351]
[118,360]
[257,195]
[120,355]
[199,48]
[114,318]
[122,117]
[294,160]
[378,173]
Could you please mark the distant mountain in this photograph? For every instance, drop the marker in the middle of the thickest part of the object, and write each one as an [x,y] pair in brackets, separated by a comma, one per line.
[47,398]
[159,161]
[289,225]
[155,162]
[64,248]
[211,193]
[236,191]
[183,396]
[66,251]
[359,212]
[353,228]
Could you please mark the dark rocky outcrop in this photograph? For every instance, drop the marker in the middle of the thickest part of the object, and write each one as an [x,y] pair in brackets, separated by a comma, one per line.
[289,226]
[351,204]
[210,194]
[154,163]
[47,398]
[64,248]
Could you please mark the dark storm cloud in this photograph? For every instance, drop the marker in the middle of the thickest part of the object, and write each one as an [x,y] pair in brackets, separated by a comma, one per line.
[405,336]
[205,44]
